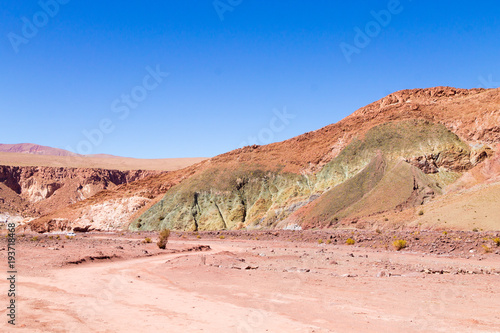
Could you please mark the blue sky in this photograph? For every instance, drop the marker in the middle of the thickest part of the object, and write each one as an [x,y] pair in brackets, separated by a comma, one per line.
[228,79]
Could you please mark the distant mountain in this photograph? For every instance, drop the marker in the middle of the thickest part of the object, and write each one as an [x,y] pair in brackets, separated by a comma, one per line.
[30,148]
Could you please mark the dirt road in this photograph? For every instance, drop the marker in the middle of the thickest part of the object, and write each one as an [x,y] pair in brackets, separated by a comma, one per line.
[245,286]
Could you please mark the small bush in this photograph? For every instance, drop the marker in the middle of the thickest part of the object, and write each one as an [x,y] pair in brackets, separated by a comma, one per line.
[320,241]
[198,236]
[421,212]
[399,244]
[58,237]
[350,241]
[475,230]
[329,241]
[496,241]
[164,235]
[222,237]
[35,239]
[147,240]
[445,233]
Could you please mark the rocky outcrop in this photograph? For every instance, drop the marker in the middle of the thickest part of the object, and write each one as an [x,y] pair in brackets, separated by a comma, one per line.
[35,191]
[98,217]
[427,137]
[354,183]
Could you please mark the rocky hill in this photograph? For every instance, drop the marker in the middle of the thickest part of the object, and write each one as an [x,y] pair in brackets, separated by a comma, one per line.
[35,191]
[388,159]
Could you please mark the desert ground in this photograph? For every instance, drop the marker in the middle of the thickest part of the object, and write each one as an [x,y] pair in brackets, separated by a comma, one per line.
[269,281]
[110,163]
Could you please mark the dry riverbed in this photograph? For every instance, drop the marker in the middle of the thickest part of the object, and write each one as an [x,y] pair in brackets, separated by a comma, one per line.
[257,282]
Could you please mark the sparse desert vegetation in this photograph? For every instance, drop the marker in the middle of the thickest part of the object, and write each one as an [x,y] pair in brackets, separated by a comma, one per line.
[399,244]
[285,264]
[163,238]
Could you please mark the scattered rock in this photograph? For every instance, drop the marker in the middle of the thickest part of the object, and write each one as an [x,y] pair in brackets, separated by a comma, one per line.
[383,274]
[251,267]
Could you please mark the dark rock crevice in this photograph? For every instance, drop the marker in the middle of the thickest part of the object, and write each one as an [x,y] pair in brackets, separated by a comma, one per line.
[195,210]
[221,216]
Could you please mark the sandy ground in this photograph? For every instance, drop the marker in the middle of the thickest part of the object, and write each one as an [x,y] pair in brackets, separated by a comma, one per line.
[112,163]
[241,285]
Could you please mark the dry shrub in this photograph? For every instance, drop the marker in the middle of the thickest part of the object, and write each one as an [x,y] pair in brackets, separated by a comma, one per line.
[164,235]
[399,244]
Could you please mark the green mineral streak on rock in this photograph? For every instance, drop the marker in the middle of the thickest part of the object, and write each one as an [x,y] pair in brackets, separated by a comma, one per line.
[252,197]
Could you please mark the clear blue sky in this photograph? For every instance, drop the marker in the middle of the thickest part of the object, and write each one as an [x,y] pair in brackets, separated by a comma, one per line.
[225,76]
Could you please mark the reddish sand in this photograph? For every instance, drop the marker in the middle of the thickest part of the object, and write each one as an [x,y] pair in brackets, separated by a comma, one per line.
[247,286]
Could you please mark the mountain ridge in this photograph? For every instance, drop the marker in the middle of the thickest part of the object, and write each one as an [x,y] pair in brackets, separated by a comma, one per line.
[246,187]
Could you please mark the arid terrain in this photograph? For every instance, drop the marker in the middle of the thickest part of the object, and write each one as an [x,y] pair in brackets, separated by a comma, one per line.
[282,281]
[431,149]
[387,221]
[110,163]
[37,180]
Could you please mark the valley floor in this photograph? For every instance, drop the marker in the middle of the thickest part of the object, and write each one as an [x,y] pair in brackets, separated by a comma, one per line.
[117,283]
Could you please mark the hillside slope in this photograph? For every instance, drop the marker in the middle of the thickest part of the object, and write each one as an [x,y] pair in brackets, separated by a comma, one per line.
[425,139]
[354,182]
[35,191]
